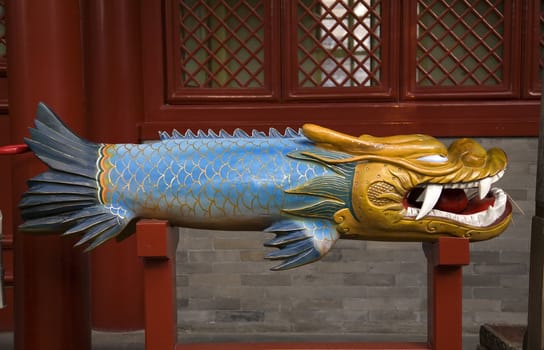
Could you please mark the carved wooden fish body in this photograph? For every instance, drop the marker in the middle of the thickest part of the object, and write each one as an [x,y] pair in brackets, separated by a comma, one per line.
[310,188]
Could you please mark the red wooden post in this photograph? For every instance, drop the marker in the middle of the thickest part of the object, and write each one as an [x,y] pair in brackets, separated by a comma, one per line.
[157,244]
[445,260]
[51,277]
[114,95]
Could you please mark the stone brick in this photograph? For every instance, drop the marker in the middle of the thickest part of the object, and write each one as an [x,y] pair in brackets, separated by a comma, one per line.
[411,279]
[413,267]
[214,279]
[234,243]
[241,267]
[514,305]
[500,293]
[513,318]
[514,257]
[182,280]
[288,293]
[239,316]
[317,279]
[484,257]
[369,279]
[333,255]
[342,266]
[252,255]
[471,305]
[515,281]
[301,305]
[471,280]
[391,303]
[201,256]
[270,279]
[406,292]
[215,303]
[393,315]
[195,316]
[502,269]
[181,257]
[249,302]
[194,268]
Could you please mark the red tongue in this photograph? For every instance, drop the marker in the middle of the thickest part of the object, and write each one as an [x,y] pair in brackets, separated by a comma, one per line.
[455,201]
[477,205]
[452,200]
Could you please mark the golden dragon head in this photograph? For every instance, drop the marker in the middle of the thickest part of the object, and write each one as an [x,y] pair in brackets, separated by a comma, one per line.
[414,188]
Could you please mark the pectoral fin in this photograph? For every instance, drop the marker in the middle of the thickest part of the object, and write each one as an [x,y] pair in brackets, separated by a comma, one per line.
[300,242]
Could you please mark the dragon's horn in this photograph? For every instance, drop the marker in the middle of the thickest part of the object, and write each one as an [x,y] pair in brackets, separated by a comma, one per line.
[408,146]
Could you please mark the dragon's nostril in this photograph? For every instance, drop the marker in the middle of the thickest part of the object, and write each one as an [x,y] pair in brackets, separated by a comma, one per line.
[469,151]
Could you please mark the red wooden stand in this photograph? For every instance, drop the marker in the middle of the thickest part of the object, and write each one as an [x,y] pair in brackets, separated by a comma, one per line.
[157,246]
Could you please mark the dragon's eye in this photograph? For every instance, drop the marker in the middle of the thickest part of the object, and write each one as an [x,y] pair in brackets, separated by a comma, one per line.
[433,158]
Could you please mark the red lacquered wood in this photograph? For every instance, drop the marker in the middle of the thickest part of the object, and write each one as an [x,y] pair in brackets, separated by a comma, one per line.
[304,346]
[480,118]
[477,111]
[6,206]
[445,261]
[6,314]
[113,87]
[13,149]
[51,277]
[157,246]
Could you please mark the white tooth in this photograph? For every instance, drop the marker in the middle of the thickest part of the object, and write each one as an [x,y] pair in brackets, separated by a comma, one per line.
[471,193]
[485,186]
[421,196]
[431,193]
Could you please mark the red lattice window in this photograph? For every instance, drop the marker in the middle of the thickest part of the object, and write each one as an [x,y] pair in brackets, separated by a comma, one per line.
[3,46]
[462,46]
[432,66]
[338,44]
[231,49]
[338,47]
[534,49]
[221,48]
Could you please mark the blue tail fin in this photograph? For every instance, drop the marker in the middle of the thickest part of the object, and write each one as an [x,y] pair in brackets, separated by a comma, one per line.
[65,198]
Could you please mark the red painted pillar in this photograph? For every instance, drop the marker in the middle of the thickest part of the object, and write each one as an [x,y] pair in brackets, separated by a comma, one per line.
[157,244]
[114,95]
[51,277]
[445,261]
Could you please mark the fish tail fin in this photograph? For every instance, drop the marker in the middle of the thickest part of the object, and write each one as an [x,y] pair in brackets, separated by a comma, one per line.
[65,198]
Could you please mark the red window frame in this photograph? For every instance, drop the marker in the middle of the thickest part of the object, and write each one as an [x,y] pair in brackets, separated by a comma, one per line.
[468,113]
[178,94]
[509,86]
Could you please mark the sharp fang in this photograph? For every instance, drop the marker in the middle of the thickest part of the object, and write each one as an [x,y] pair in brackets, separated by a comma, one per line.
[431,193]
[485,186]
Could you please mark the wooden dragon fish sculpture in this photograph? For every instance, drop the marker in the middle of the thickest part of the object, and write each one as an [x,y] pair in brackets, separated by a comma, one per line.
[310,187]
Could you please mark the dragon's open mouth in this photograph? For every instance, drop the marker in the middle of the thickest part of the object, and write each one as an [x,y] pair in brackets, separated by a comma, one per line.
[474,203]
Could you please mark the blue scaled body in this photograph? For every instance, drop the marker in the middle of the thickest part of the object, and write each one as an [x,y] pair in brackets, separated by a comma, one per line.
[229,183]
[275,182]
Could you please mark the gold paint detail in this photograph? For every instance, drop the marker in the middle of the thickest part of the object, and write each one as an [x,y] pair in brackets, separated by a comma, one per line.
[409,146]
[382,193]
[104,166]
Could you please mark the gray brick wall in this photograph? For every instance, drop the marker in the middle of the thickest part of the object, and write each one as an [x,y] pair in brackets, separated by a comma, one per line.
[225,286]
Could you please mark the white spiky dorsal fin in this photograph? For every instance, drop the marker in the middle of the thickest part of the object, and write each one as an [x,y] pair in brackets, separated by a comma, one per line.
[238,133]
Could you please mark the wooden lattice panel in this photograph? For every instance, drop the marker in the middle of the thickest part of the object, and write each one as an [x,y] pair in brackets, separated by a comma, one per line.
[460,43]
[338,43]
[222,44]
[3,46]
[541,39]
